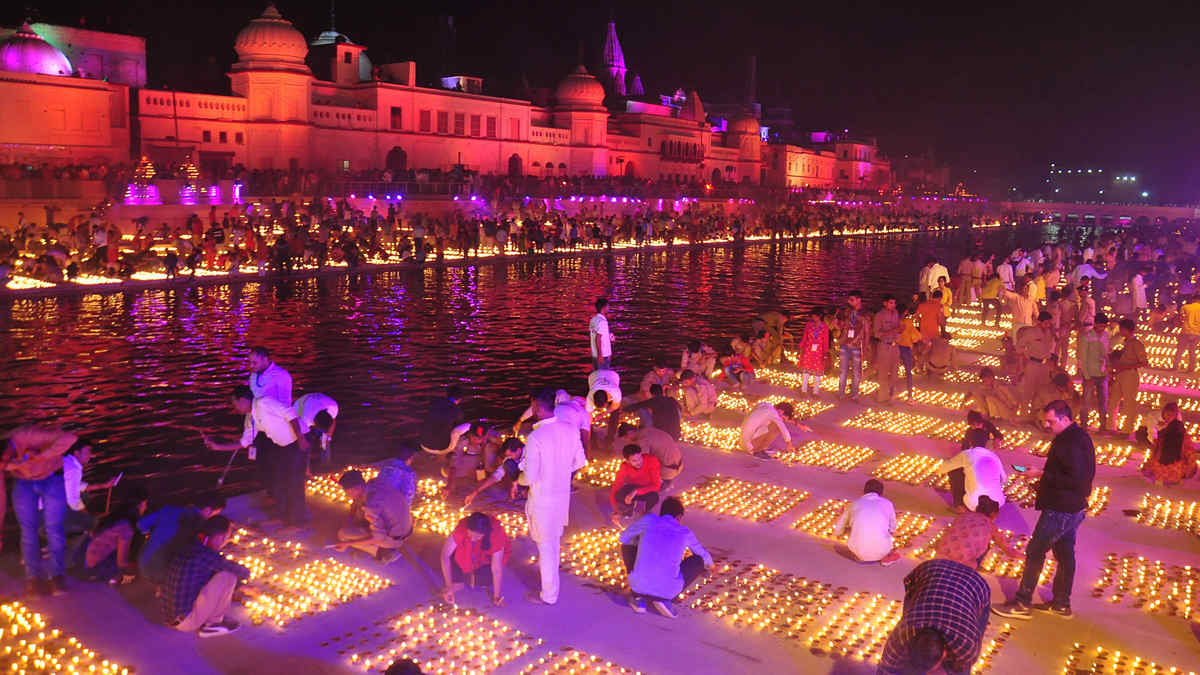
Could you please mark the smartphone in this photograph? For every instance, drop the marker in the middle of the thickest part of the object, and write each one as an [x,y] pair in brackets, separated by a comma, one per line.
[1020,469]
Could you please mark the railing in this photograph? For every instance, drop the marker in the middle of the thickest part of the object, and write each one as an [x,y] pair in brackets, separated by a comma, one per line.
[408,190]
[52,188]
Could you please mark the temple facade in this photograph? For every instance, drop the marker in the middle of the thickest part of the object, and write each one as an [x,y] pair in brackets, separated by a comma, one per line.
[322,103]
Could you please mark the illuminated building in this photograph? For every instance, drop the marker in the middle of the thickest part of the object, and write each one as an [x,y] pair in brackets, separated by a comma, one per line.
[324,104]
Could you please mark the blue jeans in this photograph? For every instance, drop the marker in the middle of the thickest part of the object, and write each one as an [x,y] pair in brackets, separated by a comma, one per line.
[1054,531]
[848,355]
[906,357]
[54,509]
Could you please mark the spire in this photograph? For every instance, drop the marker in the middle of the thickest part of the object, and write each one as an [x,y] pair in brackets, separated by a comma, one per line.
[636,89]
[614,59]
[332,16]
[752,82]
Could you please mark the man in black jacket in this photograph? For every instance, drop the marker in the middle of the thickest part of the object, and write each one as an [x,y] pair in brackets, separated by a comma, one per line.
[1066,483]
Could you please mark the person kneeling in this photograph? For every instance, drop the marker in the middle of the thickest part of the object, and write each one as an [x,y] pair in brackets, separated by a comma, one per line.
[477,542]
[380,510]
[637,483]
[871,520]
[201,582]
[652,549]
[942,628]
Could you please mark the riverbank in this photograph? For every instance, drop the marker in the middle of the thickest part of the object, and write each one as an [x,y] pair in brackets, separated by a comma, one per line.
[26,287]
[784,598]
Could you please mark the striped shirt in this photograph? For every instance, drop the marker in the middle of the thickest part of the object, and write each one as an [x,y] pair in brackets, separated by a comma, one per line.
[950,598]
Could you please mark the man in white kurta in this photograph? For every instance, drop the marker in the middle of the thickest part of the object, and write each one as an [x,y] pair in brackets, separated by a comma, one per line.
[553,452]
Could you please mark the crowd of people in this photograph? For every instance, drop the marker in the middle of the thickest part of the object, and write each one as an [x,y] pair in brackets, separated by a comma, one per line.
[534,458]
[281,236]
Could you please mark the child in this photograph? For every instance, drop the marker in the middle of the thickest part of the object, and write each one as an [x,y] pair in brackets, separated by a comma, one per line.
[814,345]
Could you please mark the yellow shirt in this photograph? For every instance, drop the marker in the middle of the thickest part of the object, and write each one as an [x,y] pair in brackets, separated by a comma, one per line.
[1191,318]
[909,335]
[947,297]
[1040,283]
[991,289]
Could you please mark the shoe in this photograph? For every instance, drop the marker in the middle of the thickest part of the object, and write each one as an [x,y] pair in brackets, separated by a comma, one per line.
[1013,610]
[214,629]
[58,586]
[1051,608]
[636,604]
[765,454]
[36,587]
[664,608]
[890,559]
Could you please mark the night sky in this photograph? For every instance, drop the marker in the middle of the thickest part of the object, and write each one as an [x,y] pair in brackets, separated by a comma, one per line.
[998,92]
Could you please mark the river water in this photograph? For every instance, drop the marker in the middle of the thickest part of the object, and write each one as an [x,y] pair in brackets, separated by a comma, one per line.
[145,372]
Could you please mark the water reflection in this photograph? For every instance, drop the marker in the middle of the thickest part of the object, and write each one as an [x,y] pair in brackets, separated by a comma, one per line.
[145,372]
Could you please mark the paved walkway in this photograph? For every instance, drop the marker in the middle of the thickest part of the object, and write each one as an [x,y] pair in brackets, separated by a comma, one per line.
[792,627]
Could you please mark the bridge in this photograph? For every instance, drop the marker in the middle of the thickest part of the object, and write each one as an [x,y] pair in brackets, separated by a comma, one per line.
[1102,214]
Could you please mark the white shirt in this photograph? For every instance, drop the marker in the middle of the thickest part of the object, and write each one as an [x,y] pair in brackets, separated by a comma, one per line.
[604,380]
[1137,287]
[573,411]
[1005,271]
[1022,267]
[983,472]
[73,482]
[309,405]
[273,419]
[937,271]
[872,520]
[1085,270]
[598,332]
[273,382]
[553,451]
[758,421]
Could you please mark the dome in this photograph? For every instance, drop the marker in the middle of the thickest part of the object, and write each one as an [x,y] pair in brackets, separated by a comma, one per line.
[579,89]
[743,124]
[271,39]
[26,52]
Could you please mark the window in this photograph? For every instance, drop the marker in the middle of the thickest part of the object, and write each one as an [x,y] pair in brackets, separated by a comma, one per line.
[475,121]
[345,165]
[460,124]
[491,127]
[346,57]
[515,130]
[397,116]
[426,126]
[238,138]
[223,137]
[208,137]
[443,122]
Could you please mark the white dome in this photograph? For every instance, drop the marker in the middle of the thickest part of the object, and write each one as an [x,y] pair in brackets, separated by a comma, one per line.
[580,89]
[26,52]
[271,39]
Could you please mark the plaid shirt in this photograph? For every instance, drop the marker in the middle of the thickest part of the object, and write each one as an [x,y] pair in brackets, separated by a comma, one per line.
[187,575]
[947,596]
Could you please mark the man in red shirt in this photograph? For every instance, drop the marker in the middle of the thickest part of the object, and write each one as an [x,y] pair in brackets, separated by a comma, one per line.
[478,541]
[638,480]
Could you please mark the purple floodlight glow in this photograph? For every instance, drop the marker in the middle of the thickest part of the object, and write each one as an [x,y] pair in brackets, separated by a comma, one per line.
[237,192]
[187,195]
[352,195]
[214,194]
[456,198]
[137,195]
[370,196]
